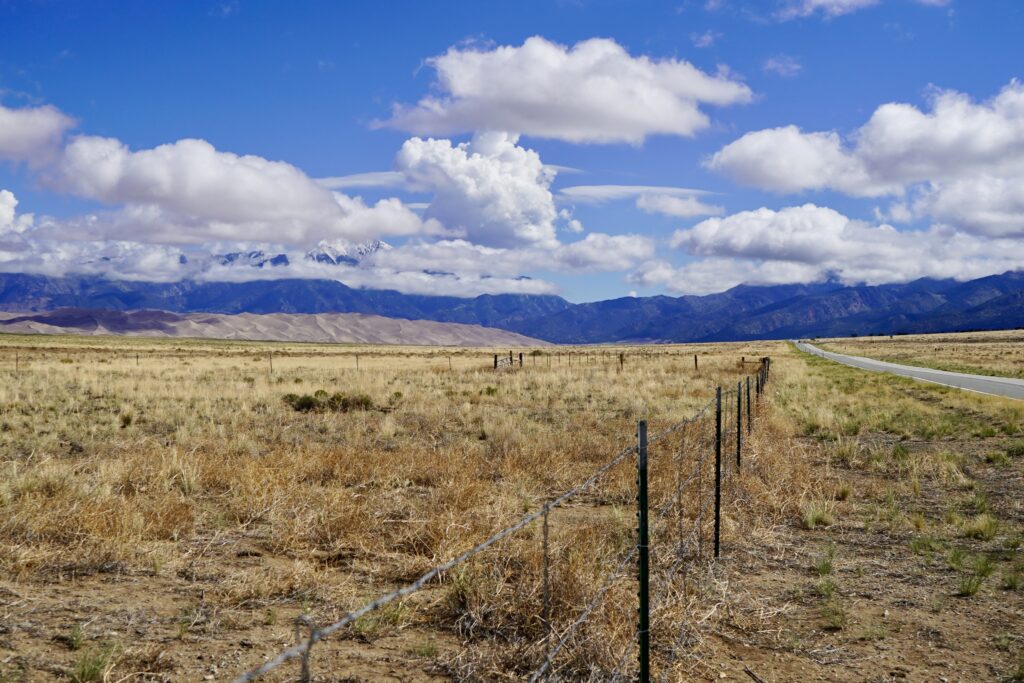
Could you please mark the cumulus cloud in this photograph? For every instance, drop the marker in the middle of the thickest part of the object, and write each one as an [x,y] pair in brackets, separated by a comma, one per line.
[592,92]
[709,276]
[598,251]
[789,160]
[962,161]
[490,218]
[811,243]
[33,134]
[190,192]
[489,190]
[8,210]
[594,253]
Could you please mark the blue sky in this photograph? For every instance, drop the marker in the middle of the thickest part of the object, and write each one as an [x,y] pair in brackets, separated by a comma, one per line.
[792,140]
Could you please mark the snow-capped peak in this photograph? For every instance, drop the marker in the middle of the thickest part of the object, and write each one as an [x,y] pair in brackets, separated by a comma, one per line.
[344,252]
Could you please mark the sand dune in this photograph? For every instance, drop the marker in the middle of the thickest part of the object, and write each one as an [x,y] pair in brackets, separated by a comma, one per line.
[292,327]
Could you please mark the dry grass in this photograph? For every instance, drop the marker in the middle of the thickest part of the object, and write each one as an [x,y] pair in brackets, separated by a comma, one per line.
[179,467]
[979,353]
[175,505]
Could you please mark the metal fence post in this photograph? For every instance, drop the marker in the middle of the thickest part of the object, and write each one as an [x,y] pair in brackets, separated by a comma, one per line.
[644,628]
[718,471]
[547,584]
[749,420]
[739,421]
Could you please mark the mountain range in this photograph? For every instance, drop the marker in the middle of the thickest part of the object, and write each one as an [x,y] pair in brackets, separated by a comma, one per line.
[741,313]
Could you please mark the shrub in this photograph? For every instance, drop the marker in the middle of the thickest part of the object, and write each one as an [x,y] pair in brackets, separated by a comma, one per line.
[320,401]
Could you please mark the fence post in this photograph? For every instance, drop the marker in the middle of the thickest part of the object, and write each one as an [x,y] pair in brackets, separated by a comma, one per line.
[520,359]
[739,421]
[270,357]
[495,361]
[750,421]
[644,628]
[547,585]
[694,361]
[718,471]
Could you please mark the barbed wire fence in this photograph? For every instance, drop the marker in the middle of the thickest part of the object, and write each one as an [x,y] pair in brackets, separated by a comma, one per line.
[686,528]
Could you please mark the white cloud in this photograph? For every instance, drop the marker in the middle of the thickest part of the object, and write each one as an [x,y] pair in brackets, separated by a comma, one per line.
[388,179]
[597,194]
[678,207]
[190,192]
[789,160]
[962,160]
[811,243]
[595,252]
[489,190]
[705,39]
[983,203]
[713,275]
[593,92]
[11,223]
[598,251]
[8,204]
[32,135]
[782,65]
[792,9]
[679,202]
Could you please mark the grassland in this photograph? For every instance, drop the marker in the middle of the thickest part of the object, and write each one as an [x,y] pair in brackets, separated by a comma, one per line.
[978,353]
[161,498]
[165,513]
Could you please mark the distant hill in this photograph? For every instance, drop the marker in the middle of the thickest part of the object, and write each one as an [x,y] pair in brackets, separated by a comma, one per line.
[744,312]
[292,327]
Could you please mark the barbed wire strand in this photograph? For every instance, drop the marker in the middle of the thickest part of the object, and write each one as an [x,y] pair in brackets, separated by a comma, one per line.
[320,634]
[584,615]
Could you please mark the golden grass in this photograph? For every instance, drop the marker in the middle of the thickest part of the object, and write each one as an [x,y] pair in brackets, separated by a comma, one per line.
[166,458]
[980,353]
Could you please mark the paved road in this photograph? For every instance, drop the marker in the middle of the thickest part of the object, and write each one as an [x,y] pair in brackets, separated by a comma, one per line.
[996,386]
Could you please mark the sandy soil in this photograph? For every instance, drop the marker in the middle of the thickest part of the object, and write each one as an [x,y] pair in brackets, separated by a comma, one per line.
[293,327]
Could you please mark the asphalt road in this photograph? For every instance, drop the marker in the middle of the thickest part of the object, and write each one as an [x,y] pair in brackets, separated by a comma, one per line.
[996,386]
